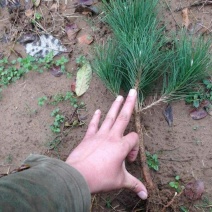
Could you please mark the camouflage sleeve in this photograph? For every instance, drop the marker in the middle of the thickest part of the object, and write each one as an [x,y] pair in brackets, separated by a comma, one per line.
[48,185]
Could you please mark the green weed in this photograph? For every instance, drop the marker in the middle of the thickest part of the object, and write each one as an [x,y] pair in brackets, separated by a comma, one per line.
[42,100]
[57,98]
[152,161]
[183,209]
[10,71]
[204,93]
[37,18]
[176,184]
[58,120]
[81,60]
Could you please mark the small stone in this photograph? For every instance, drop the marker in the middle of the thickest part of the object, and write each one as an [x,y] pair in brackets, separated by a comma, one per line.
[85,39]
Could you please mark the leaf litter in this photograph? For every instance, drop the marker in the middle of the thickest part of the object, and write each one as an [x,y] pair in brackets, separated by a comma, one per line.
[83,79]
[44,45]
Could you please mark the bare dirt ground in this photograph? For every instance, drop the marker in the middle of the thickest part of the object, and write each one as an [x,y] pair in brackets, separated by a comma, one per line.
[183,150]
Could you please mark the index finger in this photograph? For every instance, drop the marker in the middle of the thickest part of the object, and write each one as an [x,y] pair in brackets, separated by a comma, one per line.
[124,116]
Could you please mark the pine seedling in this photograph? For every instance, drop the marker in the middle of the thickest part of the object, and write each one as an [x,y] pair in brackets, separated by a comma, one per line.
[137,57]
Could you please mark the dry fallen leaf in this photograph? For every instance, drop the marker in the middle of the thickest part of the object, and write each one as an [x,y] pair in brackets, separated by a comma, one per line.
[198,114]
[54,7]
[72,30]
[86,2]
[73,86]
[194,190]
[85,39]
[83,79]
[56,71]
[185,18]
[29,13]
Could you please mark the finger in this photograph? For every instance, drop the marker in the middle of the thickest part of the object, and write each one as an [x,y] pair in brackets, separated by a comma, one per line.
[94,124]
[130,143]
[136,186]
[111,115]
[125,114]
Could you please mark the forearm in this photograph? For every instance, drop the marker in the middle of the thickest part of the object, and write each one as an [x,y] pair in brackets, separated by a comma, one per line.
[49,185]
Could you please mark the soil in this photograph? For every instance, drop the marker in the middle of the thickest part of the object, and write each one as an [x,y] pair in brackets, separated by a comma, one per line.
[183,149]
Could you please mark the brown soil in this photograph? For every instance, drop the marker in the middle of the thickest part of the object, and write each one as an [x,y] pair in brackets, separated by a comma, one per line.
[183,149]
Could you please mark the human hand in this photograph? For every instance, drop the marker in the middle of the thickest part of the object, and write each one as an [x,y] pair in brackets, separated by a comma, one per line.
[100,157]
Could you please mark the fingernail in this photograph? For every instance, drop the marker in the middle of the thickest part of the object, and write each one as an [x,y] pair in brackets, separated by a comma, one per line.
[119,98]
[97,112]
[142,194]
[132,92]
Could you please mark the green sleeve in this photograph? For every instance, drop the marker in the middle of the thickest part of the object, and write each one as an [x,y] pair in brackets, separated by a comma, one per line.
[48,185]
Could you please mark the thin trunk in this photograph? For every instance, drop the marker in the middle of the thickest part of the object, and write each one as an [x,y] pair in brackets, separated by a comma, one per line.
[145,168]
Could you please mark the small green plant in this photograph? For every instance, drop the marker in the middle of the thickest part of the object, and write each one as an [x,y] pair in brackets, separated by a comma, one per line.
[108,203]
[176,184]
[69,96]
[204,93]
[183,209]
[53,145]
[81,60]
[42,100]
[11,71]
[58,120]
[37,17]
[152,161]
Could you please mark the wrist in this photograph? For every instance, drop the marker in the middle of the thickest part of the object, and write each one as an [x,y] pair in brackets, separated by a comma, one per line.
[84,172]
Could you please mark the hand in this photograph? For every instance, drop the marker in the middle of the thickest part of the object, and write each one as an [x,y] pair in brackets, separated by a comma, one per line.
[100,157]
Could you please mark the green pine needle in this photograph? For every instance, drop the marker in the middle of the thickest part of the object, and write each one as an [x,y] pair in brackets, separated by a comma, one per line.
[137,56]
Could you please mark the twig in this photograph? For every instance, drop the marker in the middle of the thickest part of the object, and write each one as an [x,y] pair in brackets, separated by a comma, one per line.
[162,99]
[171,201]
[196,4]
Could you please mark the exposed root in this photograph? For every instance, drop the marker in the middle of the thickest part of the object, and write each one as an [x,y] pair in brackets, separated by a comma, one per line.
[145,168]
[171,201]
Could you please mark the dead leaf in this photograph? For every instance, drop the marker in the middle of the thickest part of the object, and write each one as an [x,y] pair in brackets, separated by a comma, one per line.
[29,13]
[56,71]
[86,2]
[85,39]
[44,45]
[185,18]
[194,190]
[198,114]
[72,30]
[27,38]
[28,4]
[168,115]
[54,7]
[84,9]
[83,79]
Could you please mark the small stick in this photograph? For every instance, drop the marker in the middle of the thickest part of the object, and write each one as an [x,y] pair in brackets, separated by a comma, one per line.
[200,3]
[171,201]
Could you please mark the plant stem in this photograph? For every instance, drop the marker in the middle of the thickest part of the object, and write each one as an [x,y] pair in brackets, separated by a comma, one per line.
[145,168]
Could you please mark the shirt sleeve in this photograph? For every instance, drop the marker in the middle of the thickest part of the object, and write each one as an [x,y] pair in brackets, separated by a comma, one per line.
[48,185]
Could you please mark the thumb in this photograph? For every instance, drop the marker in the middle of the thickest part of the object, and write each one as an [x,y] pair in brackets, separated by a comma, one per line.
[136,186]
